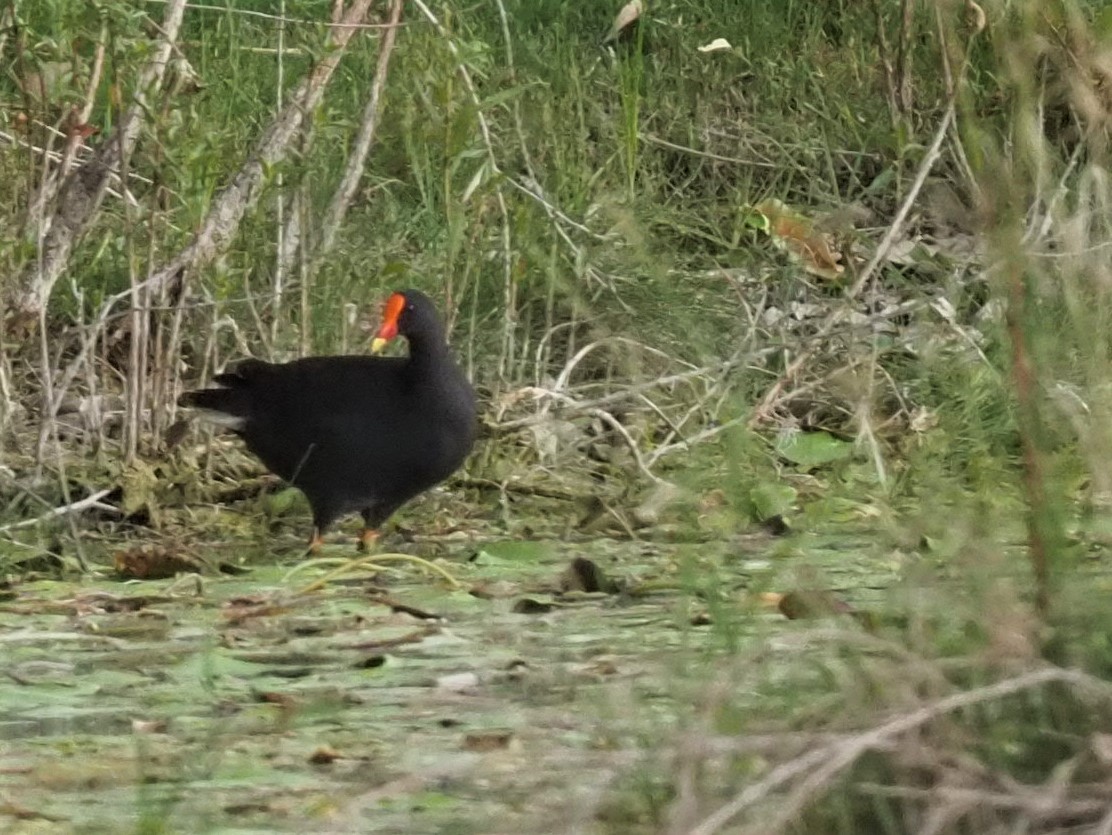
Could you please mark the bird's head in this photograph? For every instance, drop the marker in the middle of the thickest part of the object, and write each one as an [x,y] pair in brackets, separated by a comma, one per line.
[405,313]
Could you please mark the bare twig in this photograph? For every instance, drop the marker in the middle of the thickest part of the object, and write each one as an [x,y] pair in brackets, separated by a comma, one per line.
[626,393]
[616,425]
[895,229]
[50,155]
[93,501]
[695,152]
[772,396]
[1035,804]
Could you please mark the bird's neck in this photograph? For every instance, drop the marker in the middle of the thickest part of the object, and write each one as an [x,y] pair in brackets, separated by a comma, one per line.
[426,351]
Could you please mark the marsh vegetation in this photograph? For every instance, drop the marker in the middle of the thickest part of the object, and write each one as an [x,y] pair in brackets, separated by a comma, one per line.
[790,510]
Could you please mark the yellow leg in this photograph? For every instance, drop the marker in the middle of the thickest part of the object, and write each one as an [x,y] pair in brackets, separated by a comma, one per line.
[367,539]
[315,542]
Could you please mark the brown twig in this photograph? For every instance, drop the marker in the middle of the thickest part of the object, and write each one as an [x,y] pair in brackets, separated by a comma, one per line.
[1025,383]
[1031,803]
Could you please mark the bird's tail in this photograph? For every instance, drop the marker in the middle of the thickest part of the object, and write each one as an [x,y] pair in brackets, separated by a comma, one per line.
[229,405]
[222,407]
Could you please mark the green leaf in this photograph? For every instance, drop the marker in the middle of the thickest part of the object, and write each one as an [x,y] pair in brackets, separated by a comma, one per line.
[282,502]
[812,449]
[139,482]
[1102,25]
[772,499]
[756,219]
[513,551]
[882,182]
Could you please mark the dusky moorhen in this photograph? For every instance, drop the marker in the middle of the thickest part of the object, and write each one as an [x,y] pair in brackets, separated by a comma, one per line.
[354,433]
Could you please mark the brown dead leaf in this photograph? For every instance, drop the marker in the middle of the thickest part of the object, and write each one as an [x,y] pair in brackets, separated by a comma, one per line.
[324,755]
[584,575]
[156,562]
[797,235]
[77,129]
[532,606]
[488,741]
[806,604]
[494,589]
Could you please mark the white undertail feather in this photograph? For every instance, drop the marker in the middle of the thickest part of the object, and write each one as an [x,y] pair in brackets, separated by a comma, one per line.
[222,419]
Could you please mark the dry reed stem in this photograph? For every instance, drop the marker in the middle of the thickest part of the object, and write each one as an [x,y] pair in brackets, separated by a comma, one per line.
[823,764]
[225,11]
[89,502]
[1042,805]
[364,140]
[79,197]
[49,155]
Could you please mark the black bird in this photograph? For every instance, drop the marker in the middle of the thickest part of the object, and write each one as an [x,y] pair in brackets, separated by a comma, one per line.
[354,433]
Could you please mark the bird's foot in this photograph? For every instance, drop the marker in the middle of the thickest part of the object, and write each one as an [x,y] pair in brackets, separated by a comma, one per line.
[316,542]
[367,539]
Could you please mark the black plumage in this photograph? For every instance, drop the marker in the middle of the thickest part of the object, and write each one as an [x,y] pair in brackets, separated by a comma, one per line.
[355,433]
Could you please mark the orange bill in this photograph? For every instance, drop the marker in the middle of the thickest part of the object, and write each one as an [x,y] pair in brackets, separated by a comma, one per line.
[389,328]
